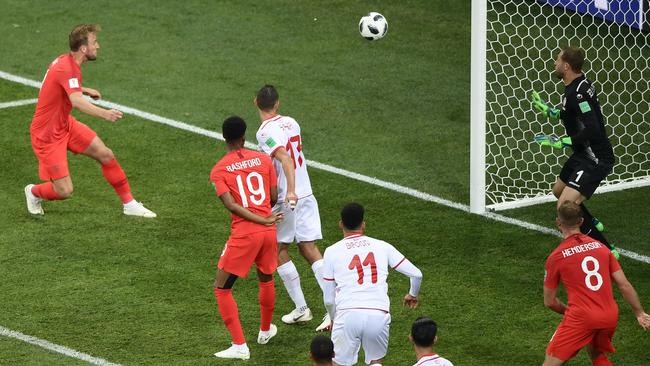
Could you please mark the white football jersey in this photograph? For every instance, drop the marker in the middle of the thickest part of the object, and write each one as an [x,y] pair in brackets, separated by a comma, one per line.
[358,265]
[283,131]
[433,360]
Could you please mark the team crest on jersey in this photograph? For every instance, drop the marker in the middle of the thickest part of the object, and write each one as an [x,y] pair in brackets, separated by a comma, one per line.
[74,83]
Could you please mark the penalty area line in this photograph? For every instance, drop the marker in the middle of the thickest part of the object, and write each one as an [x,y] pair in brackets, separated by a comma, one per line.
[17,103]
[55,347]
[328,168]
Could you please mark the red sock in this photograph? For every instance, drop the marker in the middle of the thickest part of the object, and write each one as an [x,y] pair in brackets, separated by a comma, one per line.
[230,314]
[266,297]
[45,191]
[115,176]
[601,360]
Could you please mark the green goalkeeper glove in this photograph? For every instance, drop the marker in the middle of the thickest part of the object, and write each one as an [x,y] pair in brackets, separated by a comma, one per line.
[553,141]
[542,107]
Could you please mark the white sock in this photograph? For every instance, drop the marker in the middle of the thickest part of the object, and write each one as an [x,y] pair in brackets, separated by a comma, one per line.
[130,203]
[291,279]
[241,347]
[317,267]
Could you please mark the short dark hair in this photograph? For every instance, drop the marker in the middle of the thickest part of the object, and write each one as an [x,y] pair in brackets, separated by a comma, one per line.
[79,35]
[233,128]
[574,56]
[423,331]
[267,97]
[569,214]
[322,349]
[352,216]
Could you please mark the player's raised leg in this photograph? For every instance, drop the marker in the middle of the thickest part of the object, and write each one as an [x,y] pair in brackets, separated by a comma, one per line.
[115,176]
[230,315]
[57,189]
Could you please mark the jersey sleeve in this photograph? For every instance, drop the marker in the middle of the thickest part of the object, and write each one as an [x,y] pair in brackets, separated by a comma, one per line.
[614,265]
[395,258]
[583,105]
[218,178]
[271,139]
[328,266]
[273,176]
[551,274]
[69,80]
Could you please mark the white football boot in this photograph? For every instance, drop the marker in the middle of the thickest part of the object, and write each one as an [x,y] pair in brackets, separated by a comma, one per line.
[297,316]
[33,203]
[240,352]
[264,337]
[135,208]
[325,324]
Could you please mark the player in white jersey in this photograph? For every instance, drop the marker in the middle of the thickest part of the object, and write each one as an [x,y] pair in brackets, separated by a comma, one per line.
[423,336]
[279,137]
[356,291]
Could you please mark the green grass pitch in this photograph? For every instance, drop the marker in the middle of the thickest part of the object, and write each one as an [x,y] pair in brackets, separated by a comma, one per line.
[139,292]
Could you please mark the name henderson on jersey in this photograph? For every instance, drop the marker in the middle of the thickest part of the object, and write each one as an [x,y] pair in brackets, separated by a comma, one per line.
[581,248]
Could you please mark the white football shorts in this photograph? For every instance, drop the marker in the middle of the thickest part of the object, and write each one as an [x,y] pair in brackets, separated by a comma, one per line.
[300,224]
[365,328]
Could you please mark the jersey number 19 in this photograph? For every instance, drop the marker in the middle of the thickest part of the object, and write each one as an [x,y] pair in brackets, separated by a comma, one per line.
[257,193]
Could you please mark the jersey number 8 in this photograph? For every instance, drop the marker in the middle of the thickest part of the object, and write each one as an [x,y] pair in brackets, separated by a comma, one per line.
[592,273]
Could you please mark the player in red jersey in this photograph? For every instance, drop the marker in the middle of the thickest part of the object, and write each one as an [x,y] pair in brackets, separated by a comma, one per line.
[54,131]
[586,268]
[246,183]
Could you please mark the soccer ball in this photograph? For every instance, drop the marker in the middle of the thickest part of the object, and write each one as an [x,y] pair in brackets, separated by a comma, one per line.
[373,26]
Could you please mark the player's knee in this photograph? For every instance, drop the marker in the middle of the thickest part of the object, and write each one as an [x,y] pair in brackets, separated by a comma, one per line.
[63,190]
[309,251]
[106,155]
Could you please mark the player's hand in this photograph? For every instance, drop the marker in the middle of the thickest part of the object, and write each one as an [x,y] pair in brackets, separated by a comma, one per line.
[291,199]
[410,301]
[328,328]
[112,115]
[553,141]
[92,93]
[644,321]
[274,218]
[543,108]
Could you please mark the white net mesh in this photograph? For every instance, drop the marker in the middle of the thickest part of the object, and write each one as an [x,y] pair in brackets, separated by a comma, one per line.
[523,39]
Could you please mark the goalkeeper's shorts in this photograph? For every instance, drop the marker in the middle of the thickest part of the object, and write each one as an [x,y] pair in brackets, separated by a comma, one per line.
[584,175]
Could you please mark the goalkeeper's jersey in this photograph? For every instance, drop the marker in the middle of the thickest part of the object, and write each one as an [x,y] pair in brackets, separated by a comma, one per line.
[584,122]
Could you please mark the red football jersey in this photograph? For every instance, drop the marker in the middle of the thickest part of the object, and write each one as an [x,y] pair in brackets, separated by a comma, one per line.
[585,265]
[248,175]
[50,122]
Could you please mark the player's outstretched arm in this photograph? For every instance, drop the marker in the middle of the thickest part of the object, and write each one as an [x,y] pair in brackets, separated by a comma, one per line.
[407,268]
[242,212]
[95,94]
[80,103]
[632,298]
[290,174]
[552,302]
[553,141]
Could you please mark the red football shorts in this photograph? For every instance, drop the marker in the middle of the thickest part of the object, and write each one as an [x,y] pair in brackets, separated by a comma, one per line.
[54,164]
[240,253]
[569,340]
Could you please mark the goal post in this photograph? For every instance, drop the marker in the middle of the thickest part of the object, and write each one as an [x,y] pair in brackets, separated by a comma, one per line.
[514,44]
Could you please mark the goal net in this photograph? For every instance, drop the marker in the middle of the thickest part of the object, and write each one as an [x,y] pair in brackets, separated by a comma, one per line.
[522,39]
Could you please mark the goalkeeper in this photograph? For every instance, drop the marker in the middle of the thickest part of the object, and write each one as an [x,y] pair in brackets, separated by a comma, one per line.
[593,157]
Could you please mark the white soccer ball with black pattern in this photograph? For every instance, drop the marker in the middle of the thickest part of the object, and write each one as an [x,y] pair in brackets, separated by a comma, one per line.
[373,26]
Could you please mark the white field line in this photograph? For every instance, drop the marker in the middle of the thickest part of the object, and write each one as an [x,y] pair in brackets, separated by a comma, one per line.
[17,103]
[328,168]
[55,347]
